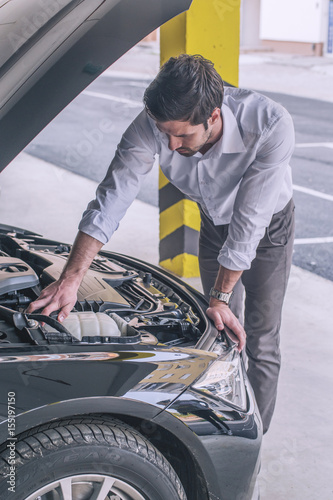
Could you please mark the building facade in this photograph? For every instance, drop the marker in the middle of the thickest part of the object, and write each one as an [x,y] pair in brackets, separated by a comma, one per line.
[295,26]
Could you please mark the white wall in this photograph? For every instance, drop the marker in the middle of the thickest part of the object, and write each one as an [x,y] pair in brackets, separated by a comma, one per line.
[292,20]
[324,23]
[250,23]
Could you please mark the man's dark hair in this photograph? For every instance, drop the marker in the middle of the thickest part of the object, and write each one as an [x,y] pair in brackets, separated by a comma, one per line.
[187,88]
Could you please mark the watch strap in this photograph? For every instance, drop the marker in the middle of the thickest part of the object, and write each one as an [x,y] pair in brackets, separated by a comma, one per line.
[222,296]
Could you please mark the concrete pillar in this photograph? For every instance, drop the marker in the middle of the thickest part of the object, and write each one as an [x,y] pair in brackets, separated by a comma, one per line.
[209,28]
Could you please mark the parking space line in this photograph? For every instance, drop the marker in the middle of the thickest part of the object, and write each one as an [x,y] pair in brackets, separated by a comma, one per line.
[313,192]
[307,241]
[315,145]
[109,97]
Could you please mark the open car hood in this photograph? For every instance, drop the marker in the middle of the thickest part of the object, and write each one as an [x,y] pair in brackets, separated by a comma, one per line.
[51,50]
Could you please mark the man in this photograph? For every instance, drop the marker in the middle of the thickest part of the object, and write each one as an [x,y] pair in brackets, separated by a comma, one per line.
[231,158]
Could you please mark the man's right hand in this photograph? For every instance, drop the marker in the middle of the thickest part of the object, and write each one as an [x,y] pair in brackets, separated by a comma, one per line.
[58,296]
[62,294]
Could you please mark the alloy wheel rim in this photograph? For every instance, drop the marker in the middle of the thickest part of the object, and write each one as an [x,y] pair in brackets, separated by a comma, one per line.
[87,487]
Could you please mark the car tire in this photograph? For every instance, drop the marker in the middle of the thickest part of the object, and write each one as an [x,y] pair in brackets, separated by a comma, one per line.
[102,459]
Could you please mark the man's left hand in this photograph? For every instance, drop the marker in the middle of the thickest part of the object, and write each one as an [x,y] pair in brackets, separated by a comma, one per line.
[221,315]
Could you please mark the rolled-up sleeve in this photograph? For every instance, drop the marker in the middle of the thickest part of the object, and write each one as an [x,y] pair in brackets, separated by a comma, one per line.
[134,158]
[258,194]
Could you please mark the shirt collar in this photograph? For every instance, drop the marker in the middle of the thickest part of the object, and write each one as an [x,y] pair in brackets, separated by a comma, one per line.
[231,140]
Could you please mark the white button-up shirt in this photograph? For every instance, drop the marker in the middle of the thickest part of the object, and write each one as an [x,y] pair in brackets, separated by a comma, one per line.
[242,180]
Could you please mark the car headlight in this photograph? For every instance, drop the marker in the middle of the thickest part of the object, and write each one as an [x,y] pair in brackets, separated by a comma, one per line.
[224,380]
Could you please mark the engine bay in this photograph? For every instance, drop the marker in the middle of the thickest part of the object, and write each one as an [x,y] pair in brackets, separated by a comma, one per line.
[120,300]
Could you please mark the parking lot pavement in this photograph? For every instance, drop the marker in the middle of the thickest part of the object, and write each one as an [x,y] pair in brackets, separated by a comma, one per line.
[292,74]
[297,449]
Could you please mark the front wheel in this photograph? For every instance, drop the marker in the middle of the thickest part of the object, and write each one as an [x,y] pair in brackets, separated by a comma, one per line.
[87,459]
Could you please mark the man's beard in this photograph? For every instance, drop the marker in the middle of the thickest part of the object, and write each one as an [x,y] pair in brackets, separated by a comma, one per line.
[186,151]
[190,152]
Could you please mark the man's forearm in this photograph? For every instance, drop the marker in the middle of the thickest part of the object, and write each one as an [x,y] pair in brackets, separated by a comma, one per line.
[84,250]
[226,279]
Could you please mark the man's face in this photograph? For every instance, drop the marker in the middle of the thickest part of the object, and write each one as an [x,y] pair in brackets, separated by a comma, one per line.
[185,138]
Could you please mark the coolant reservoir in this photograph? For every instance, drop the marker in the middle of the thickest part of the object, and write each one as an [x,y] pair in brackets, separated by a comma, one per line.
[121,323]
[90,324]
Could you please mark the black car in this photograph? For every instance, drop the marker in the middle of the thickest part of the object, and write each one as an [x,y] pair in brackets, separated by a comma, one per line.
[136,395]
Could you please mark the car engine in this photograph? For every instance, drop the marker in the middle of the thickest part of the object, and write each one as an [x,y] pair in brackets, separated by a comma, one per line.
[120,300]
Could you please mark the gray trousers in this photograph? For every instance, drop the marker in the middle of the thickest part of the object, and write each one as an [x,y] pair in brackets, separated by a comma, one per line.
[264,286]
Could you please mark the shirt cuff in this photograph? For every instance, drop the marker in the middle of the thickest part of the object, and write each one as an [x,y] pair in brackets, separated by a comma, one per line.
[96,225]
[238,258]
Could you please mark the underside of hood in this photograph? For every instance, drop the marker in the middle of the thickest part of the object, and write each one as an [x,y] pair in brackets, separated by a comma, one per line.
[51,50]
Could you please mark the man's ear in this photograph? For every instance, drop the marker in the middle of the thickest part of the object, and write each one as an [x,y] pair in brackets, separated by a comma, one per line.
[215,116]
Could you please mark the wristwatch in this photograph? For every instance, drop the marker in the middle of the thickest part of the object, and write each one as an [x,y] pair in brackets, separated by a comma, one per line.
[222,296]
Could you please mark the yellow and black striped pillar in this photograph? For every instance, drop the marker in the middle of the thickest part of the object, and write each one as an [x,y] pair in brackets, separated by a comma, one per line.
[179,230]
[209,28]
